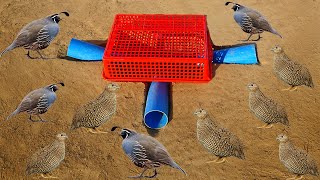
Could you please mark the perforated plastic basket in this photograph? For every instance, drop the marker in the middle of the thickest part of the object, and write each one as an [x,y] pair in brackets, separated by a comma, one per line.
[167,48]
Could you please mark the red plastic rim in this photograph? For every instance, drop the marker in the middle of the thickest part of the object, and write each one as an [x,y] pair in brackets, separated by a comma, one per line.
[168,48]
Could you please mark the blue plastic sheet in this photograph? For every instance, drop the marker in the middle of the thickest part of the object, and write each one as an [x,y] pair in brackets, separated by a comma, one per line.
[244,54]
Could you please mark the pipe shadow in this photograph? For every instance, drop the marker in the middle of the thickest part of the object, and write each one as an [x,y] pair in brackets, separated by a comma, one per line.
[215,66]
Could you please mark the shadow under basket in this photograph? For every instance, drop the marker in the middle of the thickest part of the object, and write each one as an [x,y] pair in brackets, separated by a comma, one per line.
[163,48]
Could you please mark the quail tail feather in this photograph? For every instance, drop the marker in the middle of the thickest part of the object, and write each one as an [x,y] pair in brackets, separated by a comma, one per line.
[310,83]
[175,165]
[285,121]
[314,171]
[240,154]
[276,33]
[29,171]
[74,126]
[9,48]
[12,114]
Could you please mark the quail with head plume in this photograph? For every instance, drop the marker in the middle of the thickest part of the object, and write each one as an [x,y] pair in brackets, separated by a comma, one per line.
[48,158]
[145,152]
[216,139]
[251,21]
[37,101]
[290,71]
[296,160]
[265,108]
[98,111]
[37,35]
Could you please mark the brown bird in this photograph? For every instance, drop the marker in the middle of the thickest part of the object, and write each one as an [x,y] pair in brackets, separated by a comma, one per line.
[217,140]
[289,71]
[48,158]
[98,111]
[296,160]
[266,109]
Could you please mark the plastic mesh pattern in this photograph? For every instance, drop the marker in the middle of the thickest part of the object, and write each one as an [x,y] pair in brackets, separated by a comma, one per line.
[158,48]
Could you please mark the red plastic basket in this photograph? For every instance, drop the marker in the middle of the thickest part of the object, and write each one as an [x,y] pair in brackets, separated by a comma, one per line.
[166,48]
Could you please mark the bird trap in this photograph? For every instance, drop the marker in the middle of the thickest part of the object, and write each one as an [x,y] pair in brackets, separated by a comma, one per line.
[165,48]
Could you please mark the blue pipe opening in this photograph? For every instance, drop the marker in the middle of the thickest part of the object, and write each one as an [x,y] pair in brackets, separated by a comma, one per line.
[157,105]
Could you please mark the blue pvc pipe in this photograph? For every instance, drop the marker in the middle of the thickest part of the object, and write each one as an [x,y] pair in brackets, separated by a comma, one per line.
[82,50]
[244,54]
[157,105]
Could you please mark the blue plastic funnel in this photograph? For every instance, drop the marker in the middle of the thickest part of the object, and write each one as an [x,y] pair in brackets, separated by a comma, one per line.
[157,105]
[243,54]
[84,51]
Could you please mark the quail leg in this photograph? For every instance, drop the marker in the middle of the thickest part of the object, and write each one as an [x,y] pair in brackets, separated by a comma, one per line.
[219,160]
[248,38]
[140,175]
[259,37]
[96,131]
[48,176]
[266,126]
[291,88]
[28,55]
[42,56]
[294,88]
[41,120]
[296,177]
[154,175]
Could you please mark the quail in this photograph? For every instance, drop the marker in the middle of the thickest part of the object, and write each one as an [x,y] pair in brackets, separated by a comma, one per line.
[98,111]
[37,102]
[145,152]
[296,160]
[37,35]
[266,109]
[290,71]
[216,139]
[48,158]
[251,21]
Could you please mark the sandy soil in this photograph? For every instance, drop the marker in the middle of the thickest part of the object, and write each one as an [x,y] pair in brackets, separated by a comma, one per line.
[225,97]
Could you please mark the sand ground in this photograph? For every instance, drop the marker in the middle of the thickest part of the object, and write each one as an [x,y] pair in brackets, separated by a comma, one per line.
[92,156]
